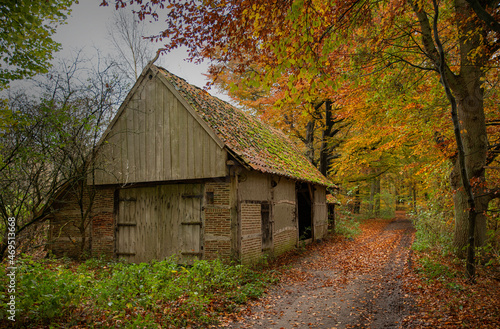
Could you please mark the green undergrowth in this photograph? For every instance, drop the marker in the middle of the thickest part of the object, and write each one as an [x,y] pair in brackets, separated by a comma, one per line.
[434,229]
[347,224]
[347,227]
[99,293]
[433,269]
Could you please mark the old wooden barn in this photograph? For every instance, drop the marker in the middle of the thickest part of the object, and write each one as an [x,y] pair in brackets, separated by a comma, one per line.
[182,172]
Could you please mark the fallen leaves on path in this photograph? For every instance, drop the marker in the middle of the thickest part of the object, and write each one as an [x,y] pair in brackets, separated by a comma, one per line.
[374,281]
[339,283]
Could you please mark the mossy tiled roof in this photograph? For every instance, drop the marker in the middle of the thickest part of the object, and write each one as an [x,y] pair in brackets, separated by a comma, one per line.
[260,146]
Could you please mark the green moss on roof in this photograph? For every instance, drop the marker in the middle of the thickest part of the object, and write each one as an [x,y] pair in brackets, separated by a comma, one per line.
[260,146]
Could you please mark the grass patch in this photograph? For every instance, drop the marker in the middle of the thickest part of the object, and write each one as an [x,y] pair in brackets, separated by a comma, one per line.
[433,269]
[116,294]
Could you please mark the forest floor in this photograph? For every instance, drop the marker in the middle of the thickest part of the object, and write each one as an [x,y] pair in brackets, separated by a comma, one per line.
[341,283]
[373,281]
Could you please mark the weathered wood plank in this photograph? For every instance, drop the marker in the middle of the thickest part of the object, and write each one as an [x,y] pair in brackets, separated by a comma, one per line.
[134,237]
[136,140]
[132,234]
[209,155]
[141,134]
[160,131]
[150,133]
[183,145]
[130,136]
[122,137]
[174,138]
[125,254]
[126,234]
[164,210]
[152,228]
[142,232]
[168,192]
[221,162]
[198,152]
[126,224]
[167,163]
[190,147]
[179,211]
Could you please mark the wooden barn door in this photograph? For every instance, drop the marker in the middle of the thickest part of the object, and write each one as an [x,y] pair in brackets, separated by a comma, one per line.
[181,222]
[158,222]
[137,224]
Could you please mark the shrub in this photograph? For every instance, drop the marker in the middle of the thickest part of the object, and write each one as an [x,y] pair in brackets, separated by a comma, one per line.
[434,228]
[116,294]
[47,290]
[346,224]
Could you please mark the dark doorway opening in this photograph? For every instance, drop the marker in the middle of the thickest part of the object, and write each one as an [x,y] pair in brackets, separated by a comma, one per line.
[267,227]
[304,205]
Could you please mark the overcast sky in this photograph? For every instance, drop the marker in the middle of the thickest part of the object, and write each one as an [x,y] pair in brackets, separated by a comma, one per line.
[86,28]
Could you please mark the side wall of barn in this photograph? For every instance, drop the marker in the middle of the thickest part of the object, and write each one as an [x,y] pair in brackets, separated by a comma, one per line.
[74,221]
[268,216]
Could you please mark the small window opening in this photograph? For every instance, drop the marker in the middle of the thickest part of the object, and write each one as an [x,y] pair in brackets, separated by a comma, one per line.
[210,197]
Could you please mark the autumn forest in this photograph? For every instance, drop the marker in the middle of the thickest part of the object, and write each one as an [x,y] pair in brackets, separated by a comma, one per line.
[395,102]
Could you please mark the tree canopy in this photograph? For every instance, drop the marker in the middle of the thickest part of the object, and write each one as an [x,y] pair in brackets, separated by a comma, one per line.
[26,44]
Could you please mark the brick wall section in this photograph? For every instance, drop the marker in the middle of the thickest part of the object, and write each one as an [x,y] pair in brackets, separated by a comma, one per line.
[217,221]
[285,240]
[251,232]
[103,223]
[217,233]
[217,249]
[65,237]
[251,250]
[251,218]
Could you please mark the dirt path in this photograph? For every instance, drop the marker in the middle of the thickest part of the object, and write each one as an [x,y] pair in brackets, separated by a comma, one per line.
[342,284]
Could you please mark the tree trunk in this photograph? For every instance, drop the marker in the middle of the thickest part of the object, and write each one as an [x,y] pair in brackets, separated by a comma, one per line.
[469,96]
[466,97]
[324,154]
[414,194]
[473,124]
[310,140]
[357,201]
[375,197]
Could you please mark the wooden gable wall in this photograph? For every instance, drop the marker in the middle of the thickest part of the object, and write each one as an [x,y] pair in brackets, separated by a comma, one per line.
[156,138]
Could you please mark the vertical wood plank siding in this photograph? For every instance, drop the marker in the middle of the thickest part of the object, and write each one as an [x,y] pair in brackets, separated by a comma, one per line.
[155,138]
[160,221]
[320,212]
